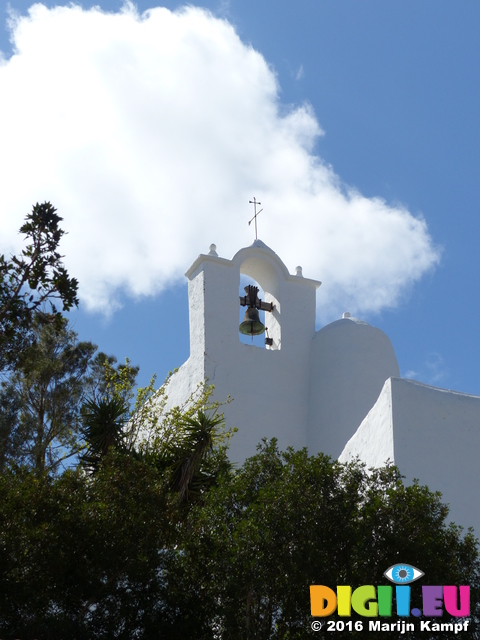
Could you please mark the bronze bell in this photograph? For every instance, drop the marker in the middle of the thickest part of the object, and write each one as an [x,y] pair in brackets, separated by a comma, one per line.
[251,325]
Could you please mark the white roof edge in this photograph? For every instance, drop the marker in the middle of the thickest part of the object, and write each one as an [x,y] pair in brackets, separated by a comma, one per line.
[430,386]
[206,258]
[301,279]
[260,247]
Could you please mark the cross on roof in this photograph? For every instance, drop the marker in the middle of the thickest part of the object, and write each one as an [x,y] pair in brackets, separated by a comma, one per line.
[254,202]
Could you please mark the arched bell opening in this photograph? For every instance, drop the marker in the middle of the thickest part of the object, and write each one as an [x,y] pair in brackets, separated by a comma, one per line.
[259,315]
[251,320]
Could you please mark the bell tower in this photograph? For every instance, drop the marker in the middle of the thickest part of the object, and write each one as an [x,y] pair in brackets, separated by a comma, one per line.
[268,386]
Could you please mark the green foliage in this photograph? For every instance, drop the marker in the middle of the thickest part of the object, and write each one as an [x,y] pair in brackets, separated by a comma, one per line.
[32,279]
[103,429]
[288,521]
[165,539]
[10,440]
[113,385]
[189,456]
[188,444]
[116,554]
[82,557]
[108,417]
[87,556]
[108,380]
[42,419]
[166,426]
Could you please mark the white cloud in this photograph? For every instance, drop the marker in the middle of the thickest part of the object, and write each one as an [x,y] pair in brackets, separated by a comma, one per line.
[151,133]
[434,370]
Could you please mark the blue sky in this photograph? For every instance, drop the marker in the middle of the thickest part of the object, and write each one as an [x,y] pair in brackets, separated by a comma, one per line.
[351,121]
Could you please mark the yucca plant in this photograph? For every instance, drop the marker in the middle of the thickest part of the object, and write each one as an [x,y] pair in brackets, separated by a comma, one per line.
[187,456]
[104,428]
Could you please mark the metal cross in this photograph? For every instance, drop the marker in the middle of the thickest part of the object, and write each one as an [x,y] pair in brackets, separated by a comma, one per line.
[254,202]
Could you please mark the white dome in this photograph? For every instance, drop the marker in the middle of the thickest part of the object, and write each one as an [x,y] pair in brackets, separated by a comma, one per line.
[350,361]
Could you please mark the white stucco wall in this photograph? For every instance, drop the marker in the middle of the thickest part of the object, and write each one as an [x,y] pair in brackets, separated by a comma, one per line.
[373,440]
[436,438]
[308,389]
[269,387]
[350,362]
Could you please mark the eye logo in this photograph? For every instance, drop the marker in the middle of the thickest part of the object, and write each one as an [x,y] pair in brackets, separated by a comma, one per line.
[403,573]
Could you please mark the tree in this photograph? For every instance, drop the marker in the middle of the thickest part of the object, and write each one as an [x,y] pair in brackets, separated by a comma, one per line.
[86,555]
[287,521]
[107,415]
[29,281]
[189,456]
[10,441]
[188,444]
[46,389]
[116,554]
[104,423]
[108,380]
[81,556]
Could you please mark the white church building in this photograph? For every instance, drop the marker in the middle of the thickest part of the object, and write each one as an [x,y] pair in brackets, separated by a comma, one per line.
[337,390]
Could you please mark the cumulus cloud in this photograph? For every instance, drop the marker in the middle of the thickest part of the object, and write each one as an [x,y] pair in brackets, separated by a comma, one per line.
[434,370]
[150,133]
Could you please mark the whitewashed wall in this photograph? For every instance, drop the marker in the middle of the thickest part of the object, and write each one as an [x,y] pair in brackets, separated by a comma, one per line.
[350,361]
[269,386]
[434,435]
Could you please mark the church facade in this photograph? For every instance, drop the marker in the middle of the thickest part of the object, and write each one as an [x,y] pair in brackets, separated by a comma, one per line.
[337,390]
